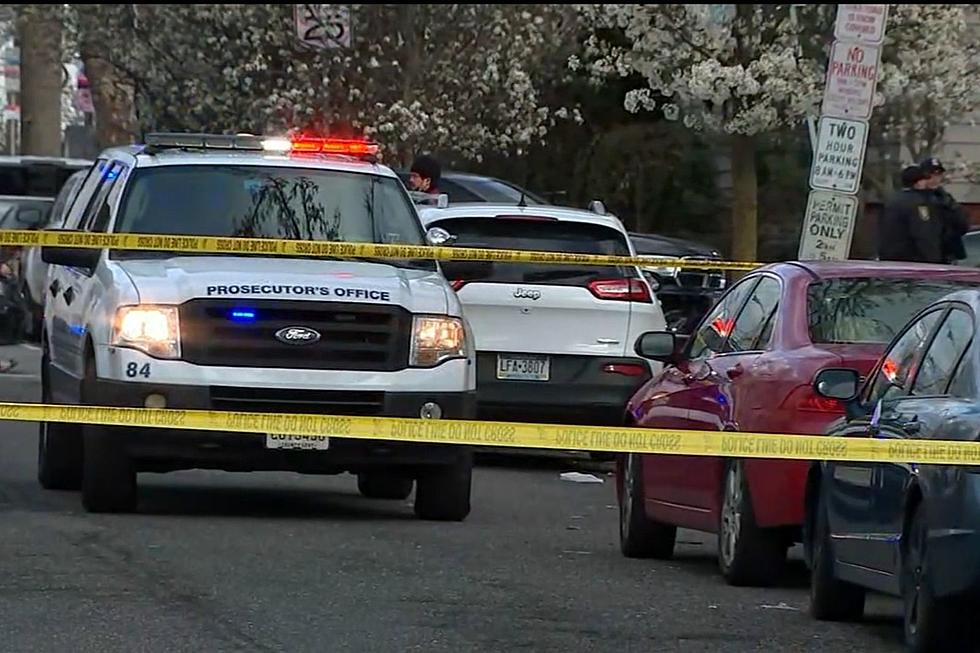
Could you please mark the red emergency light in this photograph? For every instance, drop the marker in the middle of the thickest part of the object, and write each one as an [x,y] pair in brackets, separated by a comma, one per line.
[345,146]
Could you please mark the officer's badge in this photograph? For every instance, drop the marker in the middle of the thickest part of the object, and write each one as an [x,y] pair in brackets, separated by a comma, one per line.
[924,213]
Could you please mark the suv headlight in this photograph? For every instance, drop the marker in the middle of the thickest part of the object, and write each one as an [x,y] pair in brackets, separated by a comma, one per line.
[436,339]
[152,329]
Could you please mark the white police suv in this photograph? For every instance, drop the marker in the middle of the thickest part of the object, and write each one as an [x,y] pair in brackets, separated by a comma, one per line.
[251,332]
[555,343]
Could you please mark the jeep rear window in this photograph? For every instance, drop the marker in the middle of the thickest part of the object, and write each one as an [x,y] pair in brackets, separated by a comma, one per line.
[268,202]
[542,235]
[865,310]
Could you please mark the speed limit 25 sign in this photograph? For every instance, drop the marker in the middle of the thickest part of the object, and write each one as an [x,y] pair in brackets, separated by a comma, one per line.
[323,26]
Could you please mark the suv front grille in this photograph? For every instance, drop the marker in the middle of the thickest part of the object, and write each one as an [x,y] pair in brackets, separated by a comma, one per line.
[358,337]
[291,400]
[703,279]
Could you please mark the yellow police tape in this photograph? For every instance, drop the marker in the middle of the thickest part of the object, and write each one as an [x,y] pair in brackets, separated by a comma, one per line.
[274,247]
[515,435]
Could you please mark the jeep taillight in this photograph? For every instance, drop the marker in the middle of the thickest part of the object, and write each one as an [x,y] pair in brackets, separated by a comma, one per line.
[627,290]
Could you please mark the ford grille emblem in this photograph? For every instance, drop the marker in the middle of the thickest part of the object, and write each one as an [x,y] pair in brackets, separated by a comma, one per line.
[297,335]
[523,293]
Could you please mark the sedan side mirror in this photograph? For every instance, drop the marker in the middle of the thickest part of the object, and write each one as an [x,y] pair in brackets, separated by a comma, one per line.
[660,346]
[841,384]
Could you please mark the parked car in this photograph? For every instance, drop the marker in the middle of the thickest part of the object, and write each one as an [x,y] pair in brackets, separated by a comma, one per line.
[28,188]
[750,366]
[33,270]
[554,342]
[464,187]
[686,294]
[902,528]
[971,242]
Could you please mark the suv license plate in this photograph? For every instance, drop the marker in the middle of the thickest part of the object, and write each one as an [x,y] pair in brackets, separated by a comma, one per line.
[523,368]
[303,442]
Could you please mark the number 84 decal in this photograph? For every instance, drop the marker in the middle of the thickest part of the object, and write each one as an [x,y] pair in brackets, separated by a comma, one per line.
[135,369]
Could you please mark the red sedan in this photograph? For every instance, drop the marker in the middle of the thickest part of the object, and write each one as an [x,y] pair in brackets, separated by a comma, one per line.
[749,366]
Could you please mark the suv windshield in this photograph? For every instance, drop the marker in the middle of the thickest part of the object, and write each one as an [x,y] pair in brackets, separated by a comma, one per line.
[863,310]
[543,235]
[268,202]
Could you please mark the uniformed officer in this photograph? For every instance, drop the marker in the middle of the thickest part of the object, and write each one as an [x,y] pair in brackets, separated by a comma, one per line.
[912,226]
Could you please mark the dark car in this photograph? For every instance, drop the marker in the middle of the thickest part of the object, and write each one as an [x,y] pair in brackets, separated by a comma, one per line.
[463,187]
[903,528]
[685,294]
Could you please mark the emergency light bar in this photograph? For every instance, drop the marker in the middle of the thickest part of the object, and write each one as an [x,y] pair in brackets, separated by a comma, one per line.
[298,145]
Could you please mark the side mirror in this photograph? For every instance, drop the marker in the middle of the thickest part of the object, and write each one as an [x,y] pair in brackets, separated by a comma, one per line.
[658,345]
[71,257]
[439,237]
[838,383]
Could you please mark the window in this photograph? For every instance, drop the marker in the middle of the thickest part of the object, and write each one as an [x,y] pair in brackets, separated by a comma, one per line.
[899,364]
[963,385]
[754,324]
[710,336]
[543,235]
[456,192]
[97,213]
[59,209]
[268,202]
[952,339]
[87,190]
[870,310]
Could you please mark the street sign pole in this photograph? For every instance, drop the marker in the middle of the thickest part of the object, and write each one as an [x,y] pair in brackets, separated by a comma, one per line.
[841,136]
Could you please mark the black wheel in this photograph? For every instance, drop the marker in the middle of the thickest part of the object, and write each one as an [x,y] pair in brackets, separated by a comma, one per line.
[381,485]
[640,536]
[59,446]
[443,494]
[109,475]
[931,624]
[830,599]
[747,555]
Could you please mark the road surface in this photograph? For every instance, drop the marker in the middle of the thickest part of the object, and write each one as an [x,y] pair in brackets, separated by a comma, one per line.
[279,562]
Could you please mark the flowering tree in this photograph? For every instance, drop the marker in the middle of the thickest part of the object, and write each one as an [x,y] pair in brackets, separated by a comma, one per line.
[464,78]
[741,71]
[929,77]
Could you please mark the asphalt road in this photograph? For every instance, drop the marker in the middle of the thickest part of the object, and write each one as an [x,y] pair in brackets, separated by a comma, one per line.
[279,562]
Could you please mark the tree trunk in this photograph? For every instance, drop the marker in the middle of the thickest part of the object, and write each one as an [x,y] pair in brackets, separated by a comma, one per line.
[113,100]
[745,199]
[41,77]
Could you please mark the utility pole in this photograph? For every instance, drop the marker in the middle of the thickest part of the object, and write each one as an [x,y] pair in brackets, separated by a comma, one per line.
[39,36]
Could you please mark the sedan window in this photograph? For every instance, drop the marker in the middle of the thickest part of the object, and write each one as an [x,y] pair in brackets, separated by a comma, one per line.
[714,330]
[754,324]
[899,364]
[952,339]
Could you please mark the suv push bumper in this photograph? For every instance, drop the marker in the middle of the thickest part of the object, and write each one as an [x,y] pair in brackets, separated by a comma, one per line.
[163,449]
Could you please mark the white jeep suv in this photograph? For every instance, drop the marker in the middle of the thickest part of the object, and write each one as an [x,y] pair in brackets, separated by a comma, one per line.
[555,343]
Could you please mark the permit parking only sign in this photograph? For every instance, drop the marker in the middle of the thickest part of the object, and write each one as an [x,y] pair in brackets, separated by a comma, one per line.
[828,227]
[839,157]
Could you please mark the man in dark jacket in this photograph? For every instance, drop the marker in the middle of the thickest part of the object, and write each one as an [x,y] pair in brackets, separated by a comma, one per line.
[955,221]
[912,227]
